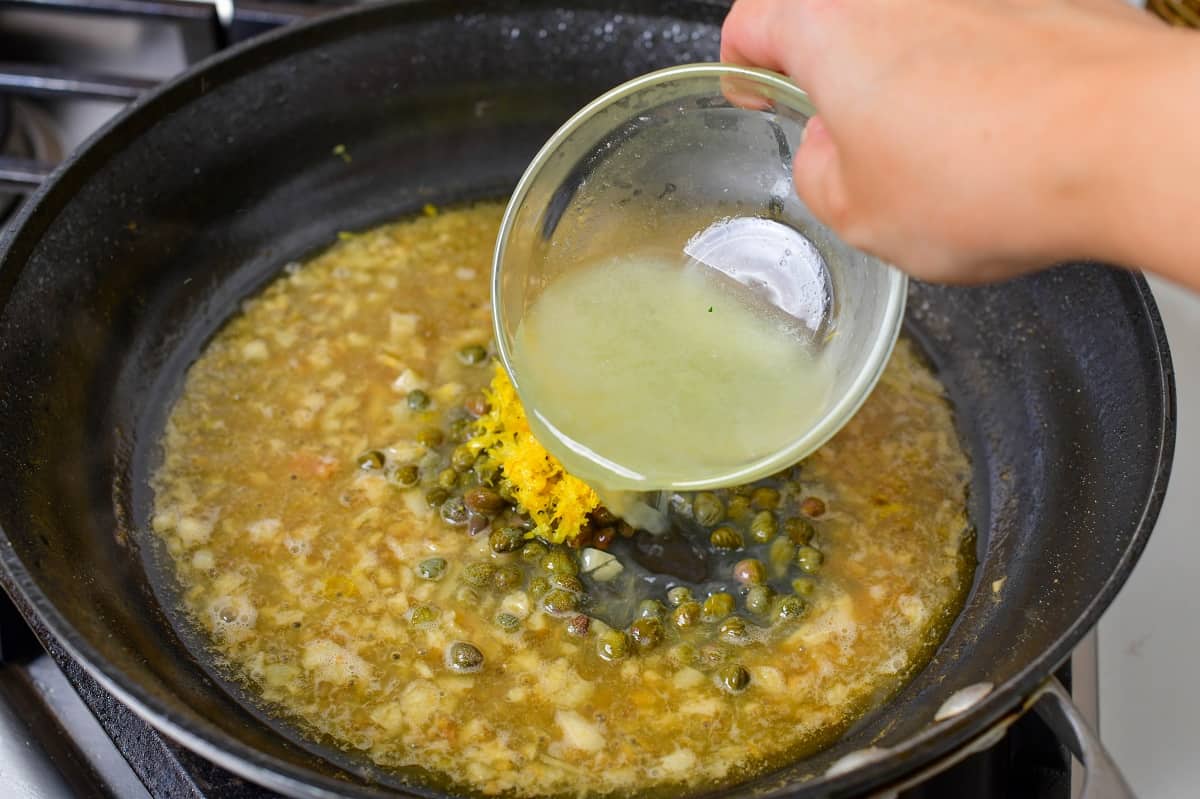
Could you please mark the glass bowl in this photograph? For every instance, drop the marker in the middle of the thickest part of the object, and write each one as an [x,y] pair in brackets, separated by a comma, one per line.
[698,159]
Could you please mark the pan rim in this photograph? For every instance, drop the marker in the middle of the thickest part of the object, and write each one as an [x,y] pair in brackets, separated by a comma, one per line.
[204,737]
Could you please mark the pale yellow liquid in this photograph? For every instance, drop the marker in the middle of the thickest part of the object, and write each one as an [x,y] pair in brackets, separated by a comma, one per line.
[644,373]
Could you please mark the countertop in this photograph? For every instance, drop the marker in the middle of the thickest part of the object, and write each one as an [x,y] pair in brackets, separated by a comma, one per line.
[1150,637]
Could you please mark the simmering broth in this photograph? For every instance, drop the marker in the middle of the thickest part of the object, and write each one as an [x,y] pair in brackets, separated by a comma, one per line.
[316,499]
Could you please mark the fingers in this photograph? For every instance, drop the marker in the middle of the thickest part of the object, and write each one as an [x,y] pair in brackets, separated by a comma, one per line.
[818,176]
[747,37]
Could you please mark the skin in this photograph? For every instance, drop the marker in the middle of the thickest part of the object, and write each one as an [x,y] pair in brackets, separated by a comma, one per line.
[975,140]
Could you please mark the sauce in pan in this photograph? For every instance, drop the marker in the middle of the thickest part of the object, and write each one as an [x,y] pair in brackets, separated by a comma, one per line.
[355,561]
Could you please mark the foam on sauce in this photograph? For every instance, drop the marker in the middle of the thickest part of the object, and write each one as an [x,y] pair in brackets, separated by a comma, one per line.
[300,567]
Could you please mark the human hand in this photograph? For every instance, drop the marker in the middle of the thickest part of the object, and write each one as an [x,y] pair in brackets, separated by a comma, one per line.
[963,140]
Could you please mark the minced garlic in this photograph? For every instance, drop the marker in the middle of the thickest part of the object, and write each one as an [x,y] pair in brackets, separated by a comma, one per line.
[558,503]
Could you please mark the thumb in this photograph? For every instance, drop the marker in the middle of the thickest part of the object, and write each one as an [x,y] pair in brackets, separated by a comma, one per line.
[817,173]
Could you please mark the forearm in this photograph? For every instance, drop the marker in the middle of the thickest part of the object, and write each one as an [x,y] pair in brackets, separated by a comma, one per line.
[1149,214]
[968,142]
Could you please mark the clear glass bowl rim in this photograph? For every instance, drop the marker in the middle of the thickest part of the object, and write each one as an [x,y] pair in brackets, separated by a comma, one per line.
[844,408]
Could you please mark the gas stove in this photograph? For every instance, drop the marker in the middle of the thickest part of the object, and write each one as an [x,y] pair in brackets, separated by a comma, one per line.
[67,66]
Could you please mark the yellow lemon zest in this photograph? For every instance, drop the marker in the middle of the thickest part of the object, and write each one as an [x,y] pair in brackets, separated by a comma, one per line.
[558,503]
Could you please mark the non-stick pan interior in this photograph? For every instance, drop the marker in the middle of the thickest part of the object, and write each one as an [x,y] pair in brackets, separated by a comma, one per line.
[120,272]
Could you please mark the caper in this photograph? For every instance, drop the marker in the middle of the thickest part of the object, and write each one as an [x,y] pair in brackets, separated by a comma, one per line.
[780,555]
[813,506]
[682,655]
[686,615]
[558,602]
[604,537]
[726,538]
[482,499]
[476,404]
[507,577]
[579,624]
[809,559]
[472,354]
[558,561]
[678,595]
[406,476]
[789,607]
[741,491]
[506,539]
[538,586]
[734,631]
[507,622]
[749,571]
[650,609]
[707,509]
[733,678]
[758,599]
[454,512]
[603,517]
[447,479]
[463,658]
[507,491]
[646,633]
[462,459]
[486,469]
[711,656]
[371,460]
[799,531]
[763,526]
[431,568]
[430,437]
[717,606]
[418,400]
[804,586]
[533,552]
[478,574]
[423,616]
[436,496]
[764,498]
[737,508]
[459,431]
[567,582]
[612,645]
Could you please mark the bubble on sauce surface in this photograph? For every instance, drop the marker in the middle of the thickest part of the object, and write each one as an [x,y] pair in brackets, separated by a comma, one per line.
[232,617]
[297,546]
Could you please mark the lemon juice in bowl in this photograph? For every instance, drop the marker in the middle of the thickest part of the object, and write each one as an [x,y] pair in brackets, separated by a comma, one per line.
[670,313]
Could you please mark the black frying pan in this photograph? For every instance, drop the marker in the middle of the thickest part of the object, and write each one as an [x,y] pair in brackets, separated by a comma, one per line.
[128,260]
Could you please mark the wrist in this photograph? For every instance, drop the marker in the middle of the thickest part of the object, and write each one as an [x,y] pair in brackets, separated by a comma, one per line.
[1137,170]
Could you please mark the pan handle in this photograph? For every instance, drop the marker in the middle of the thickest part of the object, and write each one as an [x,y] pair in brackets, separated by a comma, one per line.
[1052,703]
[21,175]
[1102,779]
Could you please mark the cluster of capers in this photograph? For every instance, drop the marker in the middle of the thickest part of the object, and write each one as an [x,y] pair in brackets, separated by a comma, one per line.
[548,572]
[655,625]
[761,519]
[457,478]
[601,529]
[705,631]
[778,525]
[745,515]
